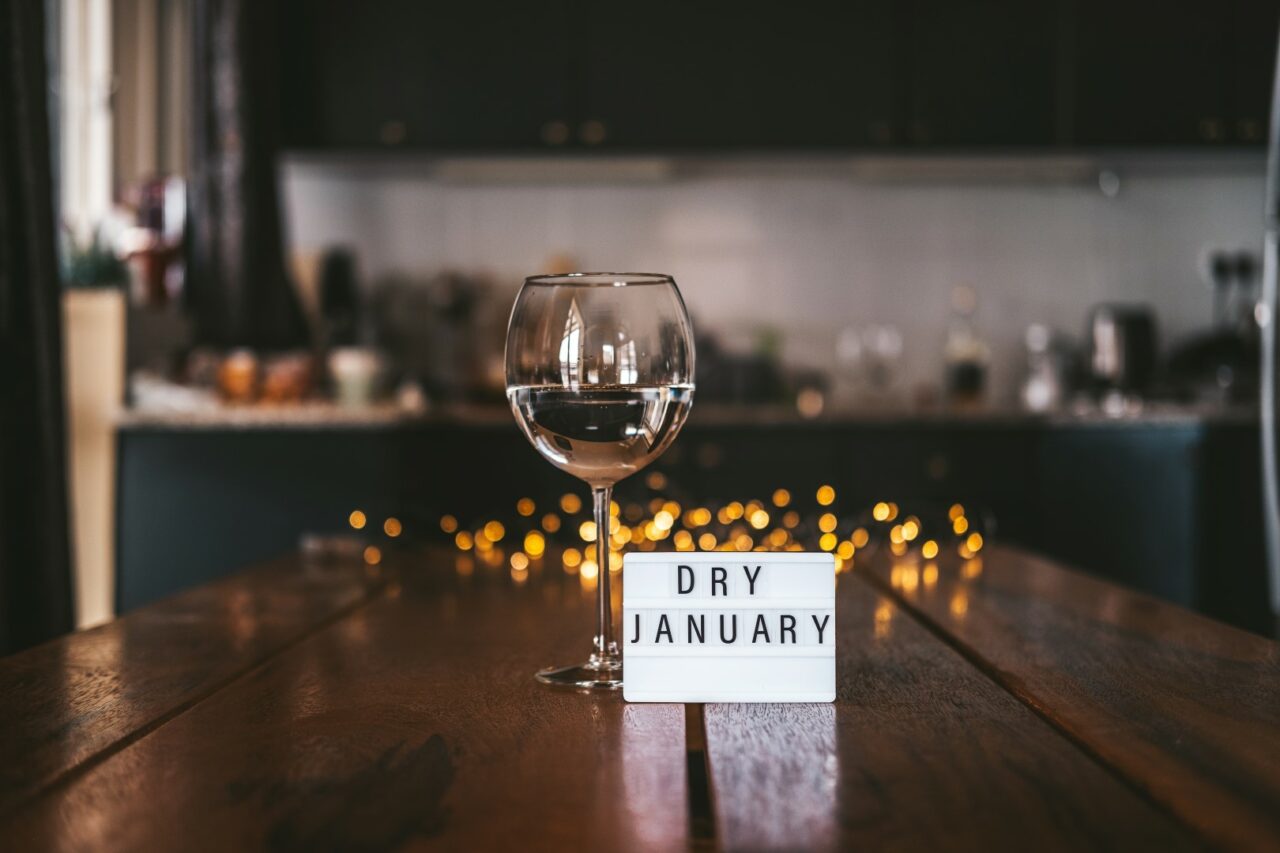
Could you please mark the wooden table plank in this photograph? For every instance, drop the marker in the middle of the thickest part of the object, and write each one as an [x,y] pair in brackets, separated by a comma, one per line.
[414,720]
[920,751]
[1186,708]
[66,702]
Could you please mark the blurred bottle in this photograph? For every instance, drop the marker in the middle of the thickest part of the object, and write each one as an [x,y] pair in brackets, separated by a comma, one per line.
[1042,387]
[966,353]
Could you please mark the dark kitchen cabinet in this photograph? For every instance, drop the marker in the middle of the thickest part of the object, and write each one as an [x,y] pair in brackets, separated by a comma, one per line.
[400,73]
[729,74]
[1252,45]
[983,73]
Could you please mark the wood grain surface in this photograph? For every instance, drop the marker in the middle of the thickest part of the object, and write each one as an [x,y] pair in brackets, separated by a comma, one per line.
[66,702]
[1185,708]
[920,750]
[412,721]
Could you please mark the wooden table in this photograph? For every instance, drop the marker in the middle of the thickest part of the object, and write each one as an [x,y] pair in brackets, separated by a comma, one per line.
[1005,703]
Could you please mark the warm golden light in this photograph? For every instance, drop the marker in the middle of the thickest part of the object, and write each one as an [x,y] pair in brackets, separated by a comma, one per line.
[884,618]
[959,603]
[551,522]
[955,512]
[672,509]
[373,555]
[683,540]
[898,548]
[759,519]
[707,541]
[910,529]
[826,495]
[571,558]
[960,525]
[827,522]
[614,509]
[734,510]
[893,510]
[448,523]
[463,540]
[589,569]
[974,542]
[781,497]
[929,549]
[656,480]
[895,535]
[535,543]
[663,520]
[494,531]
[525,506]
[587,531]
[356,519]
[778,537]
[880,512]
[930,575]
[910,579]
[519,561]
[827,542]
[615,561]
[845,550]
[791,520]
[570,503]
[971,569]
[743,542]
[861,538]
[392,527]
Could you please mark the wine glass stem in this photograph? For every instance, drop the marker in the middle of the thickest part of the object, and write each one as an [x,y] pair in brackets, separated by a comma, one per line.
[605,646]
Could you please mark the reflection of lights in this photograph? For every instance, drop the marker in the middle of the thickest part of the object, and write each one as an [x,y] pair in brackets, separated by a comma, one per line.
[880,512]
[860,538]
[826,495]
[448,523]
[707,541]
[587,531]
[930,575]
[845,550]
[759,519]
[960,525]
[570,503]
[656,480]
[974,542]
[519,561]
[896,535]
[884,617]
[781,497]
[827,522]
[482,541]
[791,520]
[356,519]
[929,549]
[551,522]
[971,569]
[959,603]
[955,512]
[621,536]
[615,561]
[392,527]
[663,520]
[534,543]
[571,558]
[898,548]
[525,506]
[373,555]
[464,565]
[519,575]
[827,542]
[463,540]
[910,529]
[494,531]
[910,579]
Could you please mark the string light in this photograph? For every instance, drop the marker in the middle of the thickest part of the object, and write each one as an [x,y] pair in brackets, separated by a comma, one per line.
[448,523]
[525,506]
[781,497]
[356,519]
[392,527]
[826,495]
[570,503]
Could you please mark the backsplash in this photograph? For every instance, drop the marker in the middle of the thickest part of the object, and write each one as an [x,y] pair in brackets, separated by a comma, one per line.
[810,254]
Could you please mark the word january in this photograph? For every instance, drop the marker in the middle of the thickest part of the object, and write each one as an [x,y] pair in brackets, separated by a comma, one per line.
[751,627]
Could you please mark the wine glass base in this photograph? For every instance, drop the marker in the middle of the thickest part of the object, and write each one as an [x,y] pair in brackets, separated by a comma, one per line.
[584,676]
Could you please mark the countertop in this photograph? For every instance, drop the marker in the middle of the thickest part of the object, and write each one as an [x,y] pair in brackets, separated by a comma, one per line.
[319,416]
[1000,703]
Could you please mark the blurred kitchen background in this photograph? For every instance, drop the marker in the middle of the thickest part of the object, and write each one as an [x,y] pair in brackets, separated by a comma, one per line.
[997,255]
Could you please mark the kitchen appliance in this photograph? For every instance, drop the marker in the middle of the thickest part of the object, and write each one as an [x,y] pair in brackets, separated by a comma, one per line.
[1121,343]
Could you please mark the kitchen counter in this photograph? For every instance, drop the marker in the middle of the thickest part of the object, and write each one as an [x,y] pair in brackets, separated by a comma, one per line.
[1003,703]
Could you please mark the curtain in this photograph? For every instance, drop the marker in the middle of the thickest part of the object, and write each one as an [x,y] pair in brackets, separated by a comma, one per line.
[35,559]
[237,291]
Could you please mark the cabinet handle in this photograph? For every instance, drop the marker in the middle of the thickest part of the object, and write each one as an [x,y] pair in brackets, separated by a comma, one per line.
[555,132]
[393,132]
[593,132]
[1211,129]
[1249,130]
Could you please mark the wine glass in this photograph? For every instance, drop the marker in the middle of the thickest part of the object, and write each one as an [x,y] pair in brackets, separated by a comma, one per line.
[600,378]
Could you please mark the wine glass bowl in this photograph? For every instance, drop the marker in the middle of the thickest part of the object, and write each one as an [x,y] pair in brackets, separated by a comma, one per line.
[600,379]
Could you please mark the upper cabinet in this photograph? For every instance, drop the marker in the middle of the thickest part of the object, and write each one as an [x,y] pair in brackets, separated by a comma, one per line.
[669,76]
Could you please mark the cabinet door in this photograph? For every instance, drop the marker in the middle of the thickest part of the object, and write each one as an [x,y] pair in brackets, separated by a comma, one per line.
[1150,73]
[983,72]
[387,73]
[667,74]
[1255,25]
